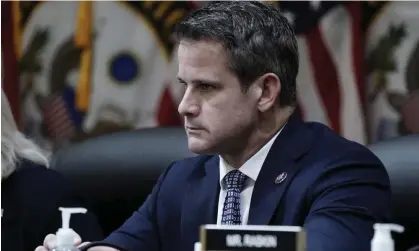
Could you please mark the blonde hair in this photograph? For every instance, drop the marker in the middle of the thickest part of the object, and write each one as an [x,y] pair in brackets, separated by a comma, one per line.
[14,145]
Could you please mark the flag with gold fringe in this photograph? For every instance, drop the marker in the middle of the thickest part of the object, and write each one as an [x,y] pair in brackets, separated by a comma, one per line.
[93,67]
[83,40]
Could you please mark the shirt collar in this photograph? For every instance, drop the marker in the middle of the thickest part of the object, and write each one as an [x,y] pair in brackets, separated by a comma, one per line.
[252,166]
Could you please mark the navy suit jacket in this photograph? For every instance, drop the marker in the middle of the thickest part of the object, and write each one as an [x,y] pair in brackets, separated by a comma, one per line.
[336,189]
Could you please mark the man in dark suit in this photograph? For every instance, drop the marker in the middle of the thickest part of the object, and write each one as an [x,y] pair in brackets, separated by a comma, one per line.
[259,163]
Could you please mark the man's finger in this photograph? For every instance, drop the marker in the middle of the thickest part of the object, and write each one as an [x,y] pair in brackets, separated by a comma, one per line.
[50,241]
[77,240]
[41,248]
[83,244]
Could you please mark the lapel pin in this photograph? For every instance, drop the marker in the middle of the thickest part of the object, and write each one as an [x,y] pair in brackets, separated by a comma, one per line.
[281,178]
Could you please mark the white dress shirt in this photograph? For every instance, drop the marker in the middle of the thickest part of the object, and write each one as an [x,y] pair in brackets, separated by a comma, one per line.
[251,169]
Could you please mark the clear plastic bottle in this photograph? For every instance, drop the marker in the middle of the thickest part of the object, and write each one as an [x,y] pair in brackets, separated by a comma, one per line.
[66,235]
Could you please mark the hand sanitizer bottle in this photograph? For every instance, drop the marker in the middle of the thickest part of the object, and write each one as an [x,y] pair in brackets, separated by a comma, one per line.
[382,240]
[197,246]
[66,235]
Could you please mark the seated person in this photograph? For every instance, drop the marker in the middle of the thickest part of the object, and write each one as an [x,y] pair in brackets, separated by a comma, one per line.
[31,194]
[259,163]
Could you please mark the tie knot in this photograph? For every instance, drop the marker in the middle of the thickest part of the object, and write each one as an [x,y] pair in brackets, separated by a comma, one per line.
[235,179]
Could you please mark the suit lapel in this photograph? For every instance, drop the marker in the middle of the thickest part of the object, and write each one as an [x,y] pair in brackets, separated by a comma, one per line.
[278,170]
[201,200]
[267,194]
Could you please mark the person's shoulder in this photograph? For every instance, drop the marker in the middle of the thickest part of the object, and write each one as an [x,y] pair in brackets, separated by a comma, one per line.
[183,169]
[331,148]
[191,163]
[336,162]
[38,176]
[36,184]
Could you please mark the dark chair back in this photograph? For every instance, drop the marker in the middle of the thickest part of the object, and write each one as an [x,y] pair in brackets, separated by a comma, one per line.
[401,159]
[116,172]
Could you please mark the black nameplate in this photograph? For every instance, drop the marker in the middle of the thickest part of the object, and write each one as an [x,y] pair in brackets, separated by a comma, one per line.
[280,238]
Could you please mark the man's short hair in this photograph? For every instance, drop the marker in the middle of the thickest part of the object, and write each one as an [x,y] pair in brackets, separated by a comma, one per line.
[257,37]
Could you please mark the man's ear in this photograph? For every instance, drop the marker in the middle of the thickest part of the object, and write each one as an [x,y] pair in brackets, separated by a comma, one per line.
[270,87]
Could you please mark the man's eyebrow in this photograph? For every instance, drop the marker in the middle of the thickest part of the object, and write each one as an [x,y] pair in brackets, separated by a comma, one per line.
[181,80]
[205,82]
[200,81]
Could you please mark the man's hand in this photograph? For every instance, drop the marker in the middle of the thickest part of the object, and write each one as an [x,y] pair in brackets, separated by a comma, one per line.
[50,242]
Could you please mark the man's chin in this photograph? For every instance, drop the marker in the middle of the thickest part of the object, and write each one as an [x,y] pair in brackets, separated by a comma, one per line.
[199,146]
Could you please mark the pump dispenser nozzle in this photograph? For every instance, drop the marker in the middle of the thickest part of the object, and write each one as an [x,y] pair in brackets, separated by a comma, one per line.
[65,235]
[66,214]
[382,240]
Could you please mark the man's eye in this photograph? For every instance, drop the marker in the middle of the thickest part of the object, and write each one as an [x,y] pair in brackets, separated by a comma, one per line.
[183,84]
[207,87]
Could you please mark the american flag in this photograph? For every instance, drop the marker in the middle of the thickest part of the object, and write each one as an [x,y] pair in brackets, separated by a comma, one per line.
[57,117]
[330,77]
[330,86]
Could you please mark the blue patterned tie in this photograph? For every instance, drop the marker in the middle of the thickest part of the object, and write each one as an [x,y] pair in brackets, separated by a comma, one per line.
[231,210]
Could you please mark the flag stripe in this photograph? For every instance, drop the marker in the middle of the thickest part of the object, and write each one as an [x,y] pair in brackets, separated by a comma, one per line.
[10,71]
[325,75]
[339,44]
[358,41]
[311,105]
[354,12]
[57,118]
[167,112]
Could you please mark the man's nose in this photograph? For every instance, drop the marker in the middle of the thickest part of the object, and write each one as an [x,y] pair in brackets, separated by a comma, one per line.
[188,107]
